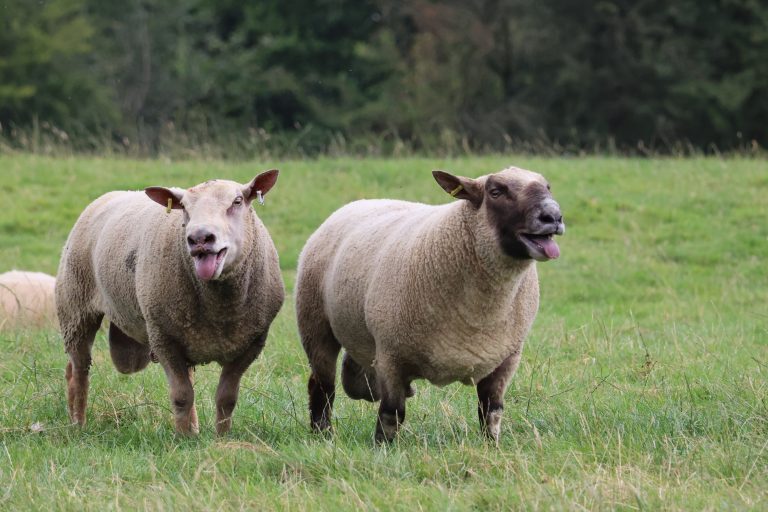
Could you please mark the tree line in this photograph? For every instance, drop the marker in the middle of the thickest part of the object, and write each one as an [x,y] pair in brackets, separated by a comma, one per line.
[364,76]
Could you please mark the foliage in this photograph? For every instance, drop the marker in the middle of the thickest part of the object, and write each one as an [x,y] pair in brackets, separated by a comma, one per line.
[47,73]
[367,76]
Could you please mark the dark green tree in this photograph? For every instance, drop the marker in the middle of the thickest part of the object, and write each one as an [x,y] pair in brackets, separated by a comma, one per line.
[307,75]
[47,72]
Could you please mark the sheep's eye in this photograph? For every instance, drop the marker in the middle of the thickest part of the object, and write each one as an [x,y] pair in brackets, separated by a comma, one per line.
[495,193]
[238,201]
[549,187]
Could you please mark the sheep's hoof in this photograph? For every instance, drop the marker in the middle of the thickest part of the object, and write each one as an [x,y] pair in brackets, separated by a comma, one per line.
[494,438]
[223,428]
[385,434]
[322,426]
[492,426]
[187,433]
[380,438]
[187,430]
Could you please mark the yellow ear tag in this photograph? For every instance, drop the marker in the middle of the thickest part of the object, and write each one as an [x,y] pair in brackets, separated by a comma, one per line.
[457,190]
[170,203]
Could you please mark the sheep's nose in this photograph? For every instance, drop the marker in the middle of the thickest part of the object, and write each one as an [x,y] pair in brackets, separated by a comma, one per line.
[550,214]
[201,237]
[550,218]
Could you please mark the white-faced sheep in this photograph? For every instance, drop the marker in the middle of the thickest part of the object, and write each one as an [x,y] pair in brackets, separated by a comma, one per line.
[413,291]
[193,281]
[26,300]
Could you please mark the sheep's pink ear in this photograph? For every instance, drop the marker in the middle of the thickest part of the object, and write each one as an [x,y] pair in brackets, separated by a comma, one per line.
[261,183]
[161,195]
[460,187]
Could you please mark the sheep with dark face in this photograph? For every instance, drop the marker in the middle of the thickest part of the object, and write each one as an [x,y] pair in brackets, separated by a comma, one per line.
[194,281]
[412,291]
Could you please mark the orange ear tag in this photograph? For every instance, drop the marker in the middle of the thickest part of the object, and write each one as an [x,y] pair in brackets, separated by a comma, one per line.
[457,190]
[170,203]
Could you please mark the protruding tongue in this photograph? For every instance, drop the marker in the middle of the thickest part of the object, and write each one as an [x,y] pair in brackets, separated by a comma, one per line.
[550,247]
[205,266]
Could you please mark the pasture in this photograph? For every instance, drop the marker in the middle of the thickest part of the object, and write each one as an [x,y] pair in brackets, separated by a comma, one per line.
[643,385]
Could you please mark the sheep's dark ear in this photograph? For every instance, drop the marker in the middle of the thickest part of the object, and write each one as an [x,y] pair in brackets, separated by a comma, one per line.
[261,183]
[161,195]
[460,187]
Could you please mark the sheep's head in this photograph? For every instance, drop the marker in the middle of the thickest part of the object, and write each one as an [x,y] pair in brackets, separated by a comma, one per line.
[215,215]
[519,207]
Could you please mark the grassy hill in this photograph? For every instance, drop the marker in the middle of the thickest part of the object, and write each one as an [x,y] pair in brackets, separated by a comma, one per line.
[643,384]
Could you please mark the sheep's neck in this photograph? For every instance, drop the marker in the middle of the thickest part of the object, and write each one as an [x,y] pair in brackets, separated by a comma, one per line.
[478,277]
[482,253]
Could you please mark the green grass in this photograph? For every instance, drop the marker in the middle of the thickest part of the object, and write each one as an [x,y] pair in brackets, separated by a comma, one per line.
[642,386]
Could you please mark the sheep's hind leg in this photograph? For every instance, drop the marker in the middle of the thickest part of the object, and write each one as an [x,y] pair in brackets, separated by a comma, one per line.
[322,350]
[78,340]
[229,385]
[490,394]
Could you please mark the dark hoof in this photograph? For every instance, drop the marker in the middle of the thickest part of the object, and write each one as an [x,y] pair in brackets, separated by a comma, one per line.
[380,439]
[322,426]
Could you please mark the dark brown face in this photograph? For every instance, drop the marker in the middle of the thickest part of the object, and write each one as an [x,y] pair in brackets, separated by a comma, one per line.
[519,207]
[524,215]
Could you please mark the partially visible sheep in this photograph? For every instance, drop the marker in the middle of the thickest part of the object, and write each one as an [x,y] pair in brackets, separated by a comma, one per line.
[193,281]
[412,291]
[26,300]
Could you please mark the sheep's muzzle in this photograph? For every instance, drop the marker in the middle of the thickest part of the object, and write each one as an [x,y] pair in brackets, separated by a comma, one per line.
[541,247]
[208,264]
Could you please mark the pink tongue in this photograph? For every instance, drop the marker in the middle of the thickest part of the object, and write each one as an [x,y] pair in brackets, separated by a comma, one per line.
[205,266]
[550,247]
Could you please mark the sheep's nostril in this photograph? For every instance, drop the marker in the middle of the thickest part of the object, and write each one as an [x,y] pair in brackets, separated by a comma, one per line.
[559,219]
[201,237]
[546,218]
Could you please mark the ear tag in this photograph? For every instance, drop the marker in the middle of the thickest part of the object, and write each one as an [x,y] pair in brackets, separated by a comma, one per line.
[259,197]
[170,203]
[457,190]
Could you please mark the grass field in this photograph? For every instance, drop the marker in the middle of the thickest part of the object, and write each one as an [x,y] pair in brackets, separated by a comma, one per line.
[643,384]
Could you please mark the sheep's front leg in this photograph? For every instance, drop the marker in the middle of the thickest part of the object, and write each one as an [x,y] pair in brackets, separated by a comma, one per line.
[393,390]
[180,378]
[490,394]
[229,385]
